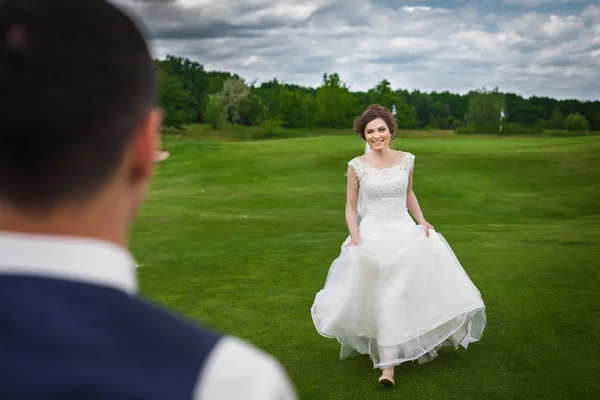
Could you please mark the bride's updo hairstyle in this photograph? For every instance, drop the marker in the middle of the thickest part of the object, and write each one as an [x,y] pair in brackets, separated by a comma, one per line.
[373,112]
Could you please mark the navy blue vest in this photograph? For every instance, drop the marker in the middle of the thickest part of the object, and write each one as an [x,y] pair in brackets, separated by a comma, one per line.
[68,340]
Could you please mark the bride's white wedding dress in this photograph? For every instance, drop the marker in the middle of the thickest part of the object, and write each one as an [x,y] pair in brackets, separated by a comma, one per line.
[398,295]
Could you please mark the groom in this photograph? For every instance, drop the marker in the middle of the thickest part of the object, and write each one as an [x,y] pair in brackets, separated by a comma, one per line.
[78,135]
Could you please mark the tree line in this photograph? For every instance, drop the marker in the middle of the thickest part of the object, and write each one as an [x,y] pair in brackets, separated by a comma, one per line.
[189,94]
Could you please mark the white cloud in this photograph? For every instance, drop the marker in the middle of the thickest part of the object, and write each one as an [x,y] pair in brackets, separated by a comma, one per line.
[412,9]
[416,46]
[537,3]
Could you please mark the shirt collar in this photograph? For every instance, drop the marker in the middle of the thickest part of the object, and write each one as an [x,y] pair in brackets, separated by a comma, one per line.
[71,258]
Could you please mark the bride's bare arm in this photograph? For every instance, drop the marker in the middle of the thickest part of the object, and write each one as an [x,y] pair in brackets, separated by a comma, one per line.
[411,200]
[413,205]
[352,204]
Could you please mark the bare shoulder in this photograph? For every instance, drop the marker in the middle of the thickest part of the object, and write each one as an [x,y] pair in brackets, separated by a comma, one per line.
[256,374]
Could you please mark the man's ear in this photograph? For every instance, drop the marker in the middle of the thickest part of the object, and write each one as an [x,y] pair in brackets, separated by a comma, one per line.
[145,144]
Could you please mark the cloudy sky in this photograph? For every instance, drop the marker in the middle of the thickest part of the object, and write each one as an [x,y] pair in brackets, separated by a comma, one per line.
[530,47]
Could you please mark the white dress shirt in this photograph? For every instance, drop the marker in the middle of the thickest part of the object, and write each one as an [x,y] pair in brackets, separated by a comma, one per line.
[234,370]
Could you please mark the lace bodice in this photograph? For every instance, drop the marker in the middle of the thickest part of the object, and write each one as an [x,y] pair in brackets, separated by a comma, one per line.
[382,199]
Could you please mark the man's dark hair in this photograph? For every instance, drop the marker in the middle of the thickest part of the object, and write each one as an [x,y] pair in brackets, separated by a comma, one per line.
[76,78]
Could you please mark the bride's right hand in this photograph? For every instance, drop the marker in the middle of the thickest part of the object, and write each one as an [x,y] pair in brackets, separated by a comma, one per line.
[353,242]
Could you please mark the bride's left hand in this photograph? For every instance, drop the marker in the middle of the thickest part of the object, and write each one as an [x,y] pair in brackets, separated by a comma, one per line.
[427,227]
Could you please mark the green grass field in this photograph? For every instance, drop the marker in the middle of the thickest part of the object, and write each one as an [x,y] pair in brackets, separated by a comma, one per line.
[240,237]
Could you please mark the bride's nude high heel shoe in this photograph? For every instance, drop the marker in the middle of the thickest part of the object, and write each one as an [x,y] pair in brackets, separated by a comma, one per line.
[387,381]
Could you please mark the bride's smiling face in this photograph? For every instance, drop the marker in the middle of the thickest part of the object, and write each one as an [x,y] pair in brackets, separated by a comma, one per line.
[377,134]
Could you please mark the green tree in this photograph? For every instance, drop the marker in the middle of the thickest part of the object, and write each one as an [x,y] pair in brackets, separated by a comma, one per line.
[234,94]
[310,108]
[216,79]
[290,107]
[440,122]
[453,123]
[594,120]
[194,80]
[522,111]
[174,100]
[406,115]
[576,122]
[215,112]
[252,110]
[271,127]
[383,94]
[557,120]
[269,93]
[335,103]
[483,112]
[186,86]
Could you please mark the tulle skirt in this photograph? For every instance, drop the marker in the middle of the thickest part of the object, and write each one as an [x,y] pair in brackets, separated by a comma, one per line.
[398,296]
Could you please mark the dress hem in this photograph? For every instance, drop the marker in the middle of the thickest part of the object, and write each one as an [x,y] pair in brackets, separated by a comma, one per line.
[439,344]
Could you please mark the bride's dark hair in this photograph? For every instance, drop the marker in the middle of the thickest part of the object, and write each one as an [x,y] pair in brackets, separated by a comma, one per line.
[373,112]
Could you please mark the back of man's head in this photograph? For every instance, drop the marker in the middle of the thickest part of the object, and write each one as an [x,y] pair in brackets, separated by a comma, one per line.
[76,78]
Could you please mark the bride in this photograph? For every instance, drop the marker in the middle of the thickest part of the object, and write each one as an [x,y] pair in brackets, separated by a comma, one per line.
[396,292]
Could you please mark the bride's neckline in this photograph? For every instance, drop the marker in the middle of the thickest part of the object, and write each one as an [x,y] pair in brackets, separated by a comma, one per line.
[360,158]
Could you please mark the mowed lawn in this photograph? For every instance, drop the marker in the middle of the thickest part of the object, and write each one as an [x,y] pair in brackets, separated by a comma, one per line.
[239,236]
